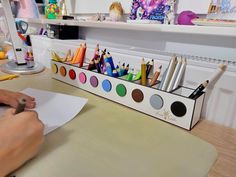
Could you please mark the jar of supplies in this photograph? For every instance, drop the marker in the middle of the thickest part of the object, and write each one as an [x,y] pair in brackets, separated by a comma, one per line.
[52,9]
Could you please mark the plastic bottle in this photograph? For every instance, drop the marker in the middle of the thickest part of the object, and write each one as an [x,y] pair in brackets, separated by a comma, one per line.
[63,10]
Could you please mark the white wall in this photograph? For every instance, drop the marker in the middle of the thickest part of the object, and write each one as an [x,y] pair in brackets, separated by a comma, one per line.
[199,45]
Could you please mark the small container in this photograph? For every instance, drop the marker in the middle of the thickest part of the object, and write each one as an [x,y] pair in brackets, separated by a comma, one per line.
[52,9]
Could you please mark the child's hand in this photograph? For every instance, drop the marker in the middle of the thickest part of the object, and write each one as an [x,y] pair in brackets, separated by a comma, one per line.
[12,98]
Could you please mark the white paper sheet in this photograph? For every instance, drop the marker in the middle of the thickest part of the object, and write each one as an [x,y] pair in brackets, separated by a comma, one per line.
[54,109]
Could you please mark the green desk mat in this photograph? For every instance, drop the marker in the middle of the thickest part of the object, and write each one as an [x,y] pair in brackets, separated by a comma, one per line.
[110,140]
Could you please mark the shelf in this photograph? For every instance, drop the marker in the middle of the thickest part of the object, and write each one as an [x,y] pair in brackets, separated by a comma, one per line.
[178,29]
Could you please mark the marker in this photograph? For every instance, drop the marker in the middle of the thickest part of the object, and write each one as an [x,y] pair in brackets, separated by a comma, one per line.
[199,90]
[21,106]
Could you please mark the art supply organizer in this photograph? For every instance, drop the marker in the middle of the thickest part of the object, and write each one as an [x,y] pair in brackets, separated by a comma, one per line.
[175,107]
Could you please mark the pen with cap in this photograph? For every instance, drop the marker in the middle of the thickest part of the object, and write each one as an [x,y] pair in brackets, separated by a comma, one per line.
[21,106]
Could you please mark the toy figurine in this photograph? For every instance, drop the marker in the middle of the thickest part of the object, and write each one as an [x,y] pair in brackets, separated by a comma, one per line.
[170,14]
[116,11]
[162,11]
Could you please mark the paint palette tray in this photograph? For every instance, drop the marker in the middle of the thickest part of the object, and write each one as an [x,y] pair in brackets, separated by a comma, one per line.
[175,108]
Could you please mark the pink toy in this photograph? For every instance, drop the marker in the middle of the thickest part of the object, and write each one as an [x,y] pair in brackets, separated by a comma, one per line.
[185,18]
[27,9]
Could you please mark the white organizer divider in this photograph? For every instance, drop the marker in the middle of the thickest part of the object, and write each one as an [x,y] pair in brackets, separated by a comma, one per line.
[173,103]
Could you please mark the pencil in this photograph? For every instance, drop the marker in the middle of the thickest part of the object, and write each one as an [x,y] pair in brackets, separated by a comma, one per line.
[149,69]
[21,106]
[159,86]
[155,76]
[129,76]
[143,72]
[109,69]
[97,65]
[91,65]
[96,52]
[180,74]
[217,73]
[103,52]
[174,76]
[197,92]
[108,58]
[8,77]
[169,73]
[126,69]
[137,76]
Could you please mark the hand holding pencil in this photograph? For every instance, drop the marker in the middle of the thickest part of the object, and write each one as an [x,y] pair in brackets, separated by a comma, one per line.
[21,138]
[12,99]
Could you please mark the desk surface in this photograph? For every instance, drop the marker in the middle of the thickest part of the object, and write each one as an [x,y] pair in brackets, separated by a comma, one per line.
[224,139]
